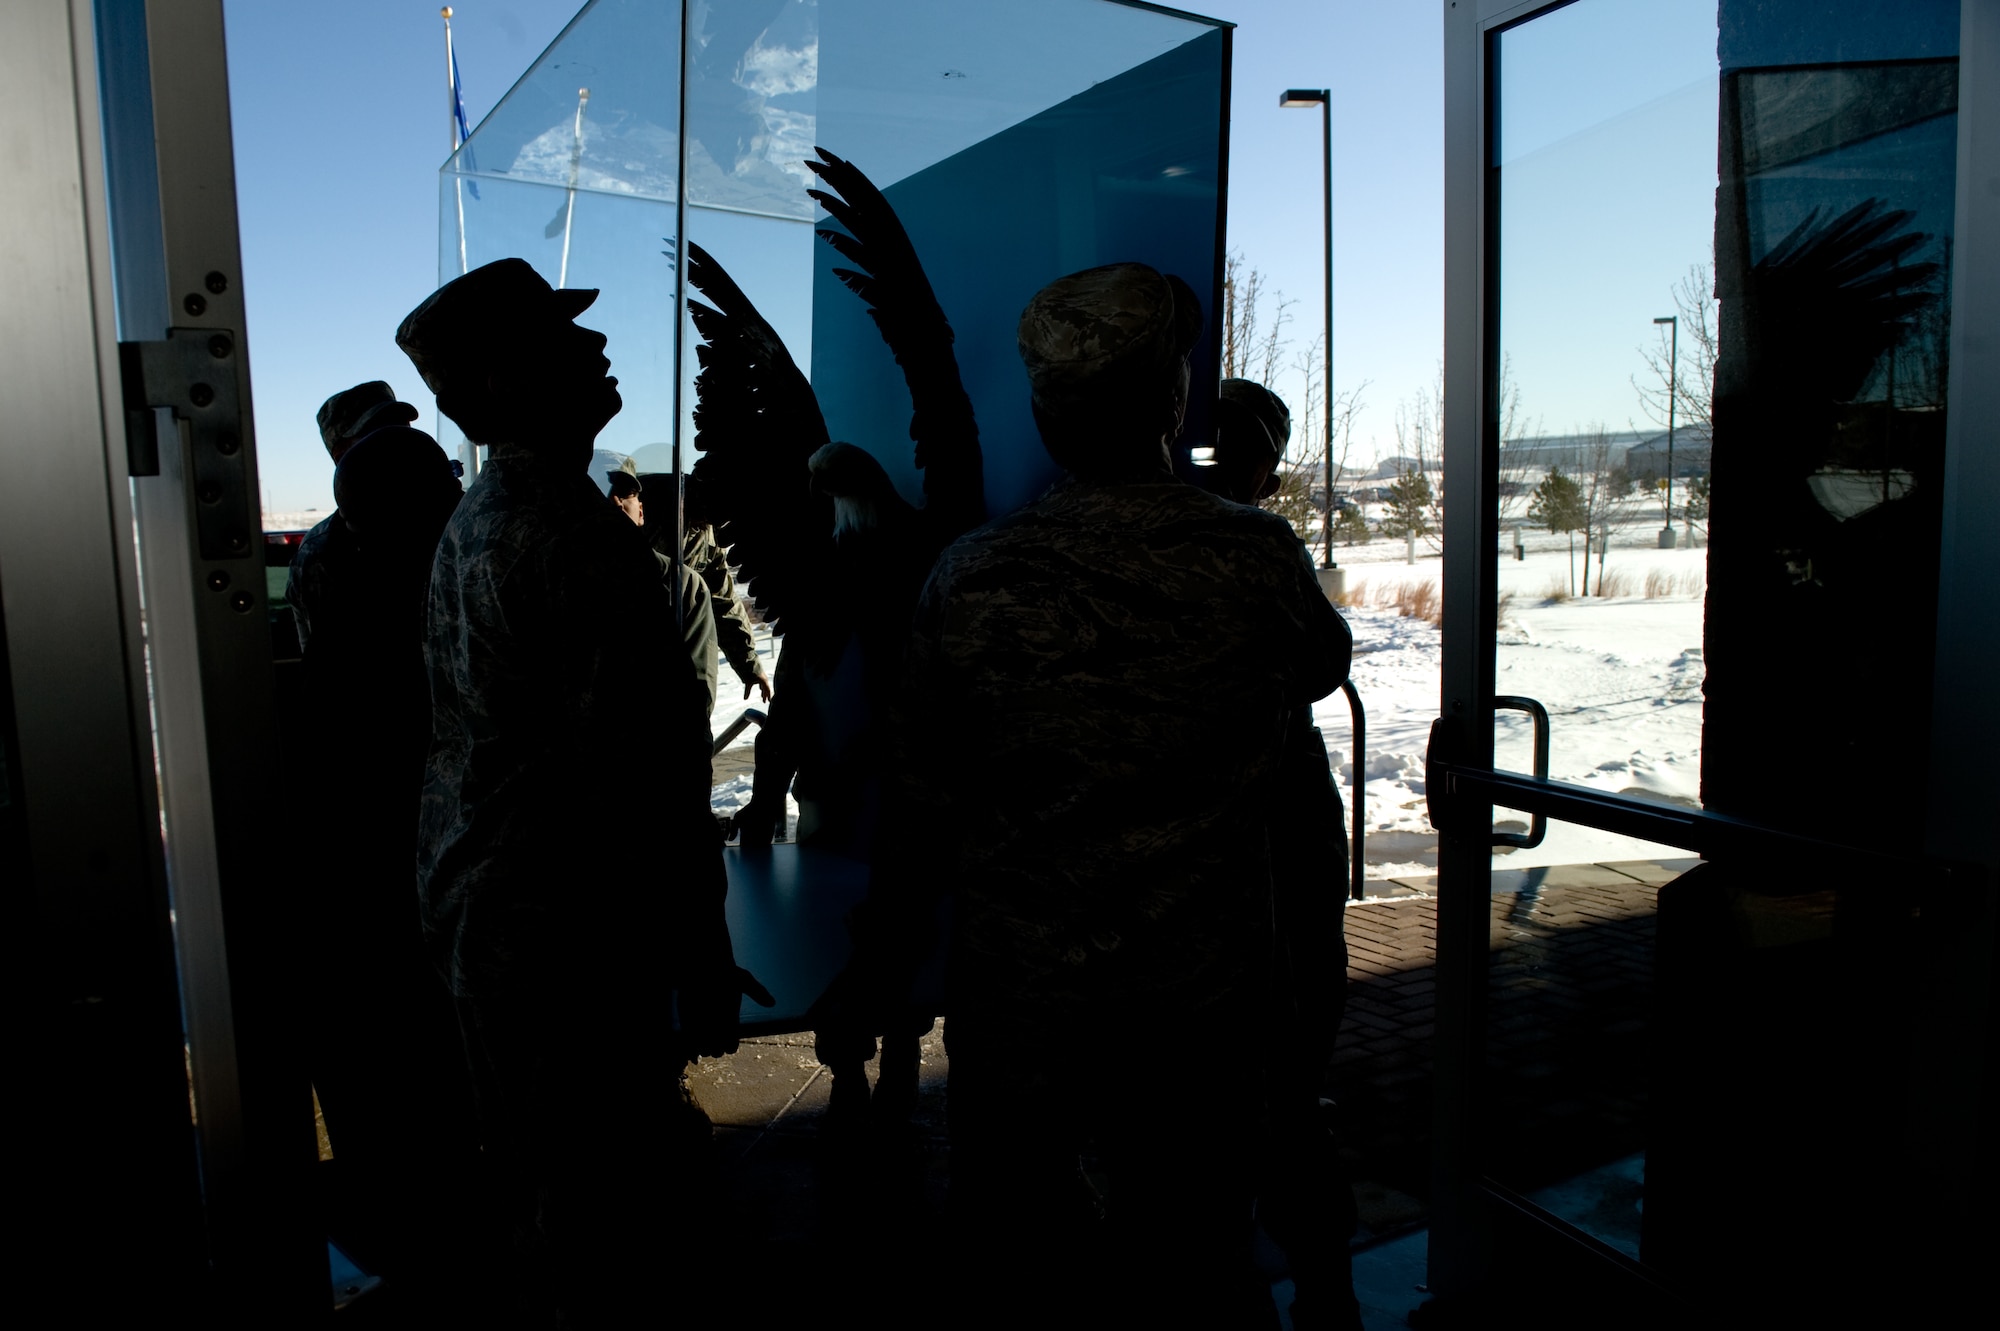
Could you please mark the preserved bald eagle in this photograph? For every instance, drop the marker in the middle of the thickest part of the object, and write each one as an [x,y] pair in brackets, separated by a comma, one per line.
[835,558]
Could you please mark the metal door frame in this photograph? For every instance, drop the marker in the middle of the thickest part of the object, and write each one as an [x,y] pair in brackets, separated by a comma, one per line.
[99,1058]
[139,665]
[1466,1206]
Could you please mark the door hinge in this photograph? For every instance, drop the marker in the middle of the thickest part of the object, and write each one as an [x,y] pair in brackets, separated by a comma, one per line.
[193,372]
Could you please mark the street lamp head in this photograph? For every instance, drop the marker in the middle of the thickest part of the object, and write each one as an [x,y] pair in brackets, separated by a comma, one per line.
[1304,96]
[1667,319]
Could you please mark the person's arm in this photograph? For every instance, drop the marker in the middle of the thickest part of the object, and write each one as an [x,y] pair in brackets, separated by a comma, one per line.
[296,597]
[1316,643]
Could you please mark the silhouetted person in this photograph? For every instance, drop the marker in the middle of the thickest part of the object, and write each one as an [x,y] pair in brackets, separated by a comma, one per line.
[1113,668]
[1305,1199]
[344,418]
[626,491]
[584,965]
[385,1050]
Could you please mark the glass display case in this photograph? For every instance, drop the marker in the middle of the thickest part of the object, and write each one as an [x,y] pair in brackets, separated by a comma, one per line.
[1017,142]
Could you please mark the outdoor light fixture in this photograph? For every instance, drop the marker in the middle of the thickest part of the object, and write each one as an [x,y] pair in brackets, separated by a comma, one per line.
[1673,321]
[1323,99]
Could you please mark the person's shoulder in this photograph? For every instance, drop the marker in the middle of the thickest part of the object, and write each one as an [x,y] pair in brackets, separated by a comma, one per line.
[318,539]
[1003,541]
[1208,506]
[1225,518]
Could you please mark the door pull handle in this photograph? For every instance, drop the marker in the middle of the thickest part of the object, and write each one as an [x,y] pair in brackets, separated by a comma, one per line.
[1538,824]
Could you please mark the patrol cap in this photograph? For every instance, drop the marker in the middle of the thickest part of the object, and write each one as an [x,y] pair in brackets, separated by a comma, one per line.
[1119,320]
[353,412]
[1256,408]
[606,470]
[473,316]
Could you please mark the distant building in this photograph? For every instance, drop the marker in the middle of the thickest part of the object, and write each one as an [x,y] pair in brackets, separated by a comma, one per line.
[1643,455]
[1537,455]
[1647,459]
[1389,469]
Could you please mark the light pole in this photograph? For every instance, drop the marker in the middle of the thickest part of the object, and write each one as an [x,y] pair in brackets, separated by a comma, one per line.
[1323,99]
[1673,322]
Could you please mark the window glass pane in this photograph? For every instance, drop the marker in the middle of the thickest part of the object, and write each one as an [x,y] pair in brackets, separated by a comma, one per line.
[1011,159]
[1723,269]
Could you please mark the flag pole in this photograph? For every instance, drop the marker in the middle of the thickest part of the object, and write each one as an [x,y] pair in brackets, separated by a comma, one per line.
[451,114]
[468,452]
[676,572]
[575,163]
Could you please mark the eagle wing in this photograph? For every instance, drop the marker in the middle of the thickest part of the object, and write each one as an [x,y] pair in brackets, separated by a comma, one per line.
[757,424]
[888,276]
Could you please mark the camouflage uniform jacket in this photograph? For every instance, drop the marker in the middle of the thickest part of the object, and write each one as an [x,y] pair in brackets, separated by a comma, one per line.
[548,630]
[733,635]
[309,581]
[1102,683]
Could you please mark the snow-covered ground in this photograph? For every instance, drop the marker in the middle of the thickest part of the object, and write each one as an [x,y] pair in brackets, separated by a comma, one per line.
[732,792]
[1621,679]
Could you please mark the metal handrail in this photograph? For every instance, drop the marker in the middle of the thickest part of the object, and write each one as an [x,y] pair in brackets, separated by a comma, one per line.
[735,728]
[1360,802]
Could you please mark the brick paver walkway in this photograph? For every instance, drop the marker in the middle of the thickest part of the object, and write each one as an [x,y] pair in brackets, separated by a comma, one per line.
[1571,980]
[1572,976]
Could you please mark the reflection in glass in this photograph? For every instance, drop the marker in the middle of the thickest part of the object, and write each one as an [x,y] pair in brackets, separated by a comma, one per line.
[1833,253]
[1743,211]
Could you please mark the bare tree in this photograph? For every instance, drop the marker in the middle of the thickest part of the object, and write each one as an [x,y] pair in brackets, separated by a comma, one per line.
[1606,487]
[1692,384]
[1927,345]
[1420,437]
[1304,469]
[1517,481]
[1253,335]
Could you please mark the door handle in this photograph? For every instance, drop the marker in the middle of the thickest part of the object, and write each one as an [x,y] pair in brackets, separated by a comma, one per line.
[1538,824]
[1356,869]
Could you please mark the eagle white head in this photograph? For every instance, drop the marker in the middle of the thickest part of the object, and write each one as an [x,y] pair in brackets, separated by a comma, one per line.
[864,497]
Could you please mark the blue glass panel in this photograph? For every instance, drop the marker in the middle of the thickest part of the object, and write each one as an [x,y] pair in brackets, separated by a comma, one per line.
[1126,171]
[1819,32]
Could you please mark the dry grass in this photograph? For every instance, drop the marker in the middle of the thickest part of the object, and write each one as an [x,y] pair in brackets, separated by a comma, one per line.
[1615,582]
[1418,600]
[1688,582]
[1557,591]
[1415,598]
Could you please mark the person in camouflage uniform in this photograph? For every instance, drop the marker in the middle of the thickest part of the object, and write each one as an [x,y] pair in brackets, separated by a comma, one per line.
[343,419]
[1110,671]
[584,969]
[382,1035]
[1305,1199]
[625,488]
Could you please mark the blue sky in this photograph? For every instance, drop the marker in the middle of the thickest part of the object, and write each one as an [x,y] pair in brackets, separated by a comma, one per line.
[340,127]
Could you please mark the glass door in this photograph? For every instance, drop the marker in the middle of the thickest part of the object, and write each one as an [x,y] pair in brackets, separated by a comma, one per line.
[1699,299]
